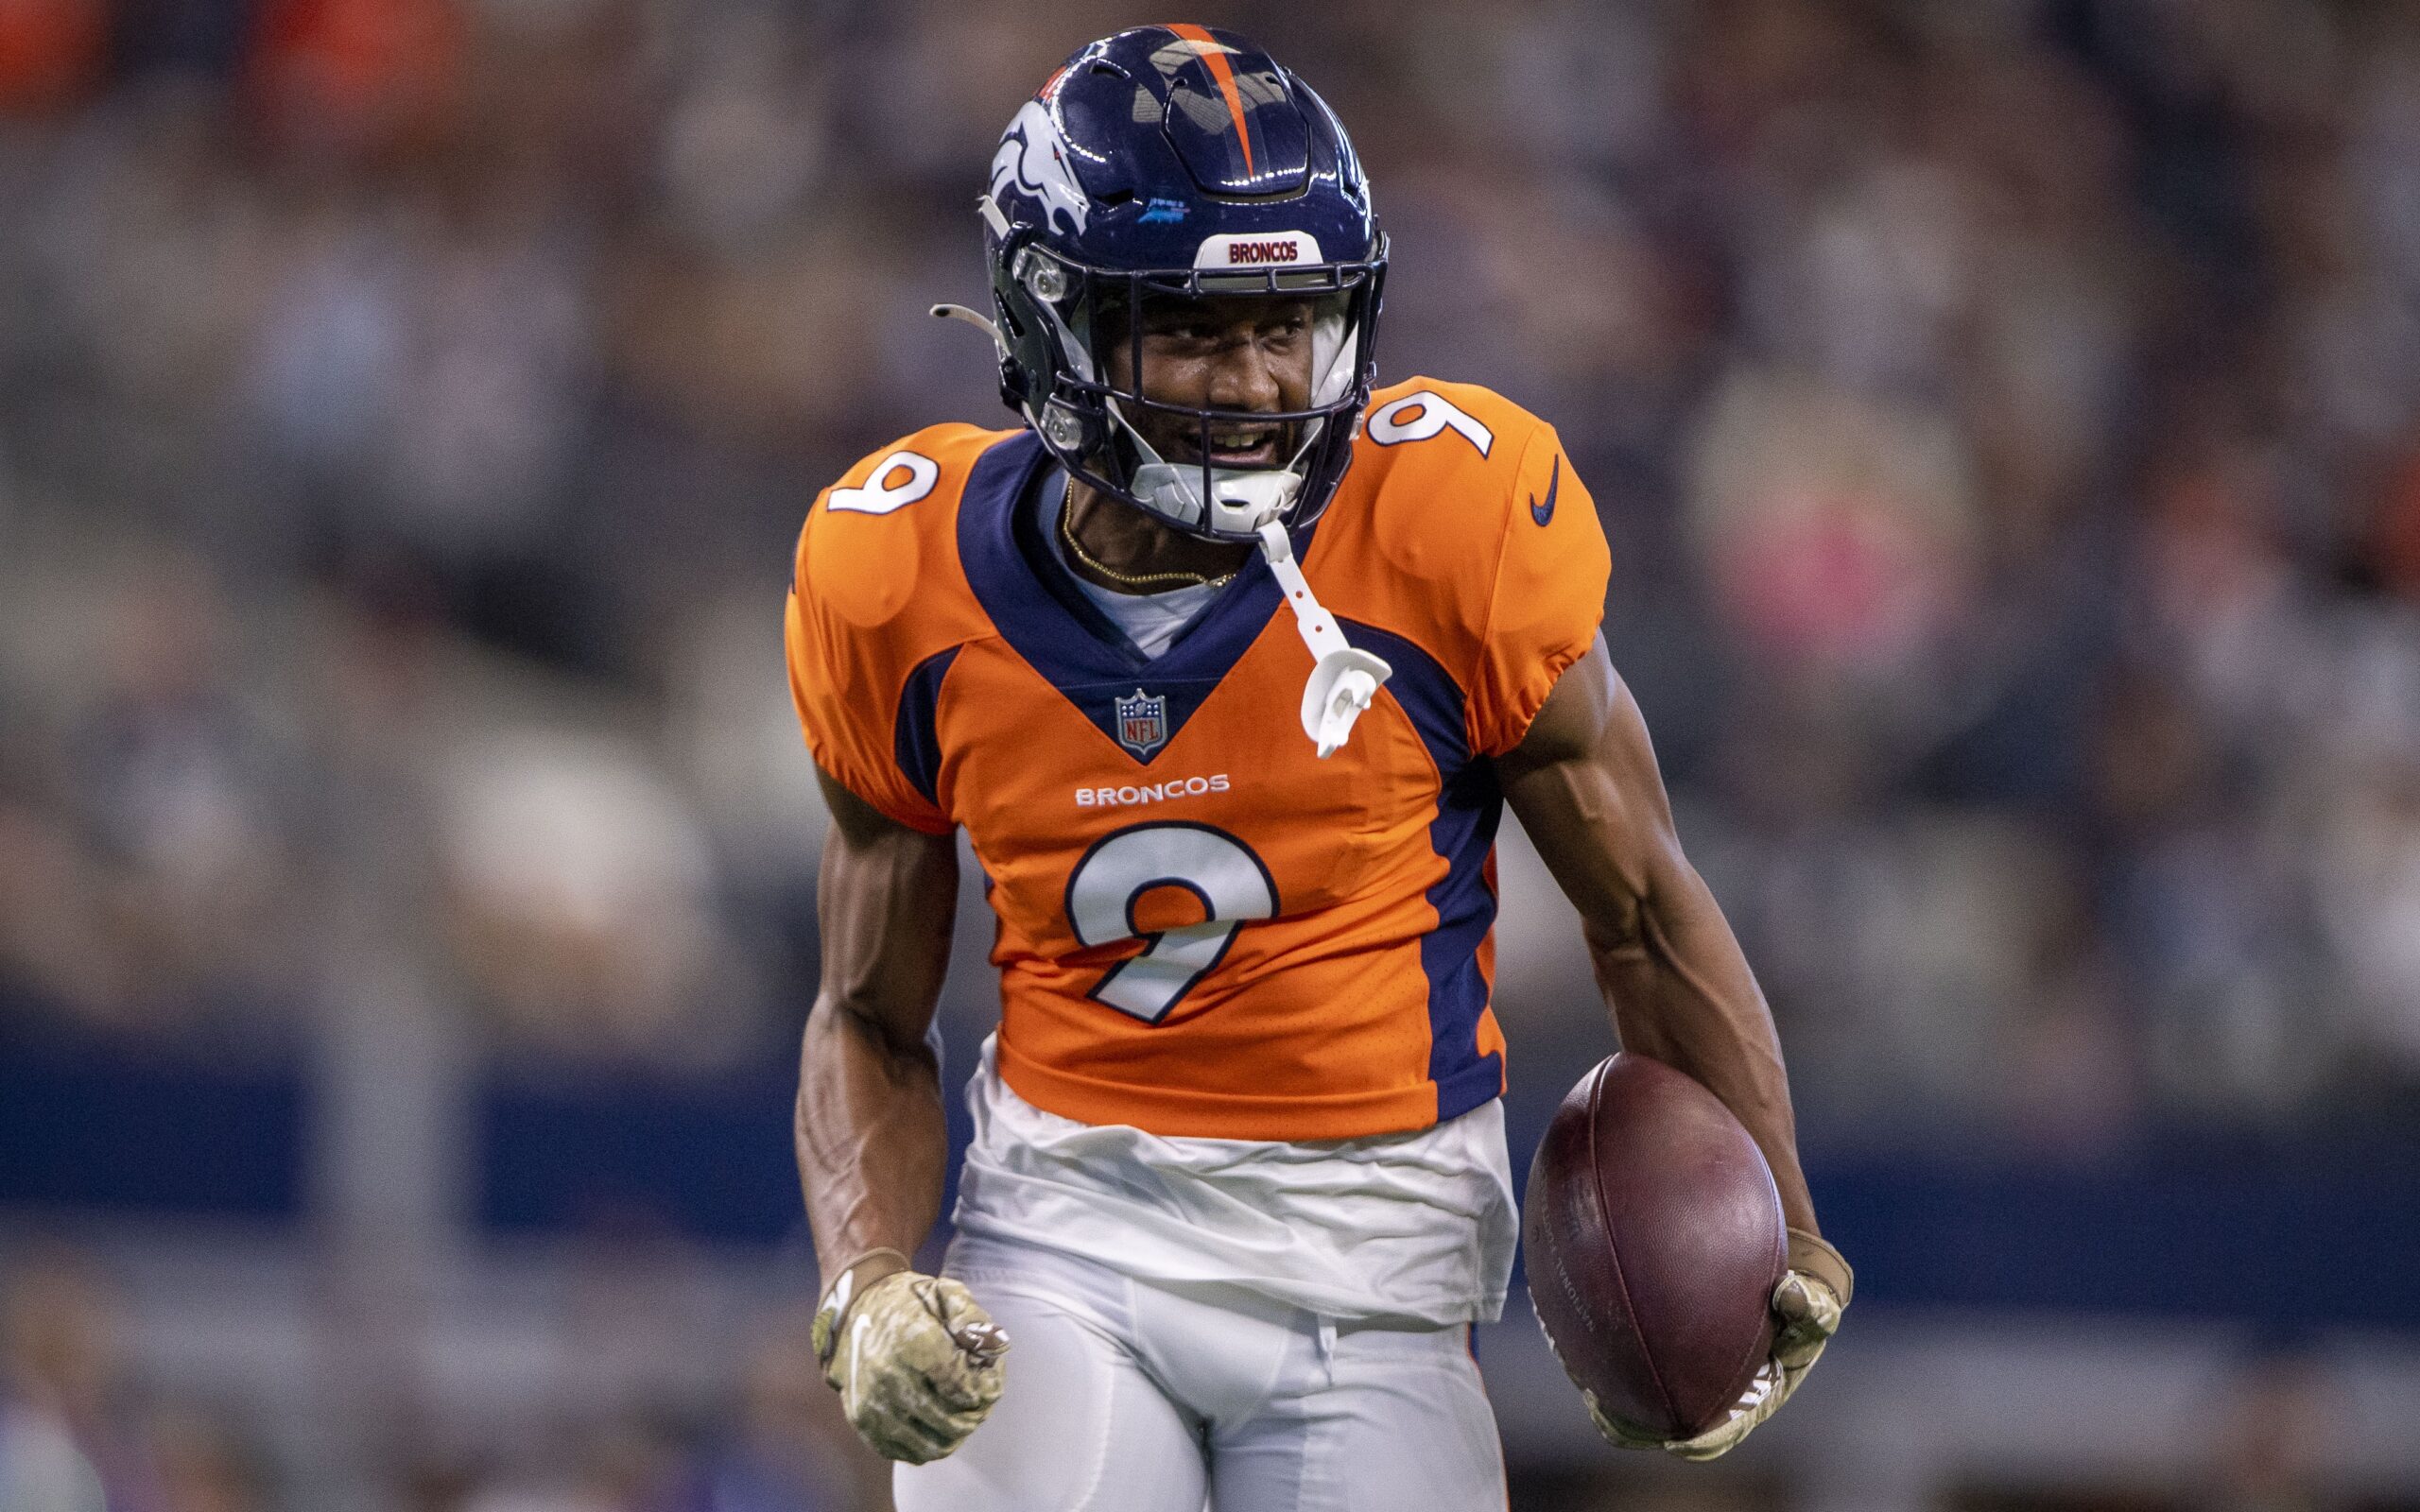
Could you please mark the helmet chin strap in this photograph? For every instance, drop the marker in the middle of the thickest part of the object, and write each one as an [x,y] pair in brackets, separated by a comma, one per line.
[1237,496]
[1344,680]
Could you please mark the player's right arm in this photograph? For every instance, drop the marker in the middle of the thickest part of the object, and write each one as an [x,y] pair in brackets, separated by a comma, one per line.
[916,1362]
[872,1137]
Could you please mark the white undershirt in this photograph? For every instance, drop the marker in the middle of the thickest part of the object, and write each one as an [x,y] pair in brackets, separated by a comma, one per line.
[1416,1226]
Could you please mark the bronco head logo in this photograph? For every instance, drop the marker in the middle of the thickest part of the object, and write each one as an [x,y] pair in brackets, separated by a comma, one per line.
[1032,161]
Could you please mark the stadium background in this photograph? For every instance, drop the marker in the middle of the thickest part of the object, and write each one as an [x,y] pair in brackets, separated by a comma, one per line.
[2004,412]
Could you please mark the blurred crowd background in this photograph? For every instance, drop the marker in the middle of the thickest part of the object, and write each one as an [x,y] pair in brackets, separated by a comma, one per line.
[2006,414]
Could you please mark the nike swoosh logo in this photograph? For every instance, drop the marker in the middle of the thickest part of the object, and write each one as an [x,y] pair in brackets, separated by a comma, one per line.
[1544,512]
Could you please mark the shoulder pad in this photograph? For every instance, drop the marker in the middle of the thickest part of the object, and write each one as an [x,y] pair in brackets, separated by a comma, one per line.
[1462,529]
[889,526]
[1491,429]
[878,592]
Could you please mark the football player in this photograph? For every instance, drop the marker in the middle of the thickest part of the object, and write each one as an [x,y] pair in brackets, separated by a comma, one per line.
[1226,665]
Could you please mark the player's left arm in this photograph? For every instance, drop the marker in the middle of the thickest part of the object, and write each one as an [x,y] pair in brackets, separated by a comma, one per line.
[1584,783]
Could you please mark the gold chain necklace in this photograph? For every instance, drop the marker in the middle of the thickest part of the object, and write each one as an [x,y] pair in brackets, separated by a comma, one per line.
[1183,579]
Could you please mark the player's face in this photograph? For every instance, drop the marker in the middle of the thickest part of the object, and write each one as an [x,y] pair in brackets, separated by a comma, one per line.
[1250,354]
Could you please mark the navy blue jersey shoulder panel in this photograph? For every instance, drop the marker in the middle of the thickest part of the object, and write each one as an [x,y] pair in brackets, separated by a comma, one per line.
[1427,694]
[1026,529]
[915,735]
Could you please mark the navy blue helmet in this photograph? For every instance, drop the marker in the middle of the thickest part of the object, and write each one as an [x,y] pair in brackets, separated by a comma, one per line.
[1179,162]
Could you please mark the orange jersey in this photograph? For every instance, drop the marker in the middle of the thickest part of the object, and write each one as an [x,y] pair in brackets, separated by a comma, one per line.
[1204,929]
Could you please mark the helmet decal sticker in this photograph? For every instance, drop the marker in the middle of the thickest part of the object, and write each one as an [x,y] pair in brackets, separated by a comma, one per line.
[1032,161]
[1214,52]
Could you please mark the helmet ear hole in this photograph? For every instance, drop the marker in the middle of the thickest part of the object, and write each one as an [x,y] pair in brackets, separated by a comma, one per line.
[1043,276]
[1063,427]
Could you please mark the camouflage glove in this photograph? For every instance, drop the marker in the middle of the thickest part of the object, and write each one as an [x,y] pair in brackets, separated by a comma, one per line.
[1808,1302]
[915,1360]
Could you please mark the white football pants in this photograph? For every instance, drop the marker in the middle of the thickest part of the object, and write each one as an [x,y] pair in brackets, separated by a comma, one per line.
[1127,1395]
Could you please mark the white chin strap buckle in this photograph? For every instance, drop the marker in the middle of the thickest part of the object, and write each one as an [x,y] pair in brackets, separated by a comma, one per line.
[1343,680]
[1238,496]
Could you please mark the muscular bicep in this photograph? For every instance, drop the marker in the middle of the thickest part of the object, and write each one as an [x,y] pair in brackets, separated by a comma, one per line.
[1584,784]
[886,900]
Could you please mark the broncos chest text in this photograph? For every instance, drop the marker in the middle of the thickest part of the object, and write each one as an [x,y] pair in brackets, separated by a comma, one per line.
[1144,835]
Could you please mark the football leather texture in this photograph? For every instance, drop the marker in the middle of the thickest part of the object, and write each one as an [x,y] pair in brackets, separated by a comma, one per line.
[1654,1239]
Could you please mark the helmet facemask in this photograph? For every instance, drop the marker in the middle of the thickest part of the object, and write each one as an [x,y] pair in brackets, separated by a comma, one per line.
[1103,431]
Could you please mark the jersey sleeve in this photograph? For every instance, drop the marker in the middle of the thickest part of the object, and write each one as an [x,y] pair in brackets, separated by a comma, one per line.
[851,739]
[1548,599]
[865,626]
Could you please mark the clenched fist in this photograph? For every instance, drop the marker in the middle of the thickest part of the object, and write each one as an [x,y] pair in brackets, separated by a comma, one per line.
[916,1360]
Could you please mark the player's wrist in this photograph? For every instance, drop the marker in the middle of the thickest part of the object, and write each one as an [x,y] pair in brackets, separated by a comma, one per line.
[855,1278]
[1811,1255]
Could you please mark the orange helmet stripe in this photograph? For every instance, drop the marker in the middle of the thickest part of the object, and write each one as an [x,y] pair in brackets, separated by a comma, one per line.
[1214,52]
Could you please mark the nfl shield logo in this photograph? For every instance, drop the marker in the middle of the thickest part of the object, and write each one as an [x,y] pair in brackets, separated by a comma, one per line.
[1143,722]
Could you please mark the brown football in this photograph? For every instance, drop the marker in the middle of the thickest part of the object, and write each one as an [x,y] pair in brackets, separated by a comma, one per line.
[1654,1241]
